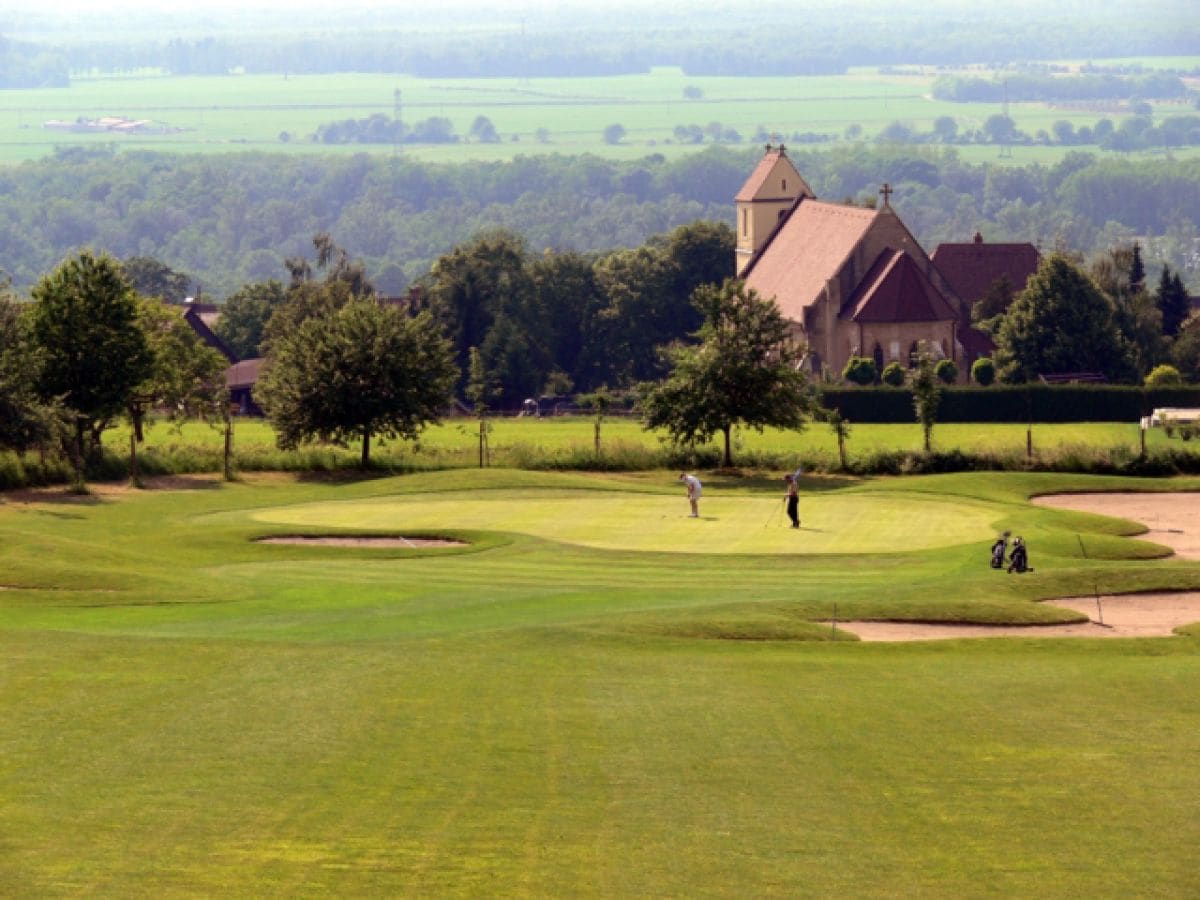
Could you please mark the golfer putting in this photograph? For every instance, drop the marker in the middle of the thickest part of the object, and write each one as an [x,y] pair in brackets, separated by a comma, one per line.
[693,492]
[792,499]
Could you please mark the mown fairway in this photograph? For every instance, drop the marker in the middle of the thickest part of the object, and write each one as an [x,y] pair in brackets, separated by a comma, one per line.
[220,114]
[595,698]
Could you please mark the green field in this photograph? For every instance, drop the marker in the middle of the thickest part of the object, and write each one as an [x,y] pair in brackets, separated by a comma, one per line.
[250,112]
[532,442]
[596,697]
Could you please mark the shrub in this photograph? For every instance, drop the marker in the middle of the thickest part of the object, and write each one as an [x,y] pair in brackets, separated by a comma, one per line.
[946,371]
[860,370]
[1163,376]
[983,372]
[893,374]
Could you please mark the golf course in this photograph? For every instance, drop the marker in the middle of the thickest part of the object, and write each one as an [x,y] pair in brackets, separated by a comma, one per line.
[560,684]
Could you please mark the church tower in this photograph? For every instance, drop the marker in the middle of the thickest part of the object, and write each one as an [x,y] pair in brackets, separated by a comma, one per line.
[771,190]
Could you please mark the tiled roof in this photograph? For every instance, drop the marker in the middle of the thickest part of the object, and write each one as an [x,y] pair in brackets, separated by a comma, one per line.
[756,187]
[243,374]
[809,248]
[896,290]
[974,342]
[972,269]
[203,329]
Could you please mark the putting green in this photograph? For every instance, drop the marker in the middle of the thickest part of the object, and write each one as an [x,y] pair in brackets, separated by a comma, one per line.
[831,522]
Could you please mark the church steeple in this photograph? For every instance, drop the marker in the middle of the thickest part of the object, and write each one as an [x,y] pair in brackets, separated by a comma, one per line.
[768,194]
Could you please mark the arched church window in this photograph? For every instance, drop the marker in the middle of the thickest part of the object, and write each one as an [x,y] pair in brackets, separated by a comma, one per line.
[745,221]
[913,352]
[877,354]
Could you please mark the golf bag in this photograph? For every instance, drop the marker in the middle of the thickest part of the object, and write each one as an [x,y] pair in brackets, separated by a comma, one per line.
[1019,560]
[999,551]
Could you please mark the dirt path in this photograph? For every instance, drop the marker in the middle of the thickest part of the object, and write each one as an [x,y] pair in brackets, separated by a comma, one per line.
[1173,520]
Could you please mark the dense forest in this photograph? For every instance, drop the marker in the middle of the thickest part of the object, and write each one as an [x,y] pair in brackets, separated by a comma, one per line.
[460,39]
[234,219]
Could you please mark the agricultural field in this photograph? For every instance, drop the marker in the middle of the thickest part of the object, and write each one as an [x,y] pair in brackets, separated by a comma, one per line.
[279,113]
[589,695]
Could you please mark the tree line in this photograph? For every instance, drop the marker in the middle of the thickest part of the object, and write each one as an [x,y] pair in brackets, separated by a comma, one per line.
[702,353]
[340,366]
[1028,86]
[230,220]
[621,39]
[549,322]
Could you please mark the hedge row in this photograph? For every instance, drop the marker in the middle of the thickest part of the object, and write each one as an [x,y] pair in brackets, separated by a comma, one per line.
[1012,403]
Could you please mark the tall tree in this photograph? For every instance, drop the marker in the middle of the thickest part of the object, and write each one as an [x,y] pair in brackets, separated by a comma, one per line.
[470,286]
[356,372]
[152,278]
[24,420]
[244,317]
[1137,268]
[303,301]
[640,314]
[1061,322]
[567,303]
[1185,350]
[1172,301]
[987,310]
[742,370]
[94,353]
[186,379]
[1116,273]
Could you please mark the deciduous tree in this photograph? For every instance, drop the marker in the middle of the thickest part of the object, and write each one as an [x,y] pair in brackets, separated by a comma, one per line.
[356,372]
[1061,322]
[24,420]
[742,370]
[244,317]
[93,350]
[186,378]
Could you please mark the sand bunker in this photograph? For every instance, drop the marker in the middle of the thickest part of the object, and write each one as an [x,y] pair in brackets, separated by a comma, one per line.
[1173,520]
[1124,615]
[396,541]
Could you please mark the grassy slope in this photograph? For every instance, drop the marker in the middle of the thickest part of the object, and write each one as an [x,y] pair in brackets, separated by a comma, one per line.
[186,712]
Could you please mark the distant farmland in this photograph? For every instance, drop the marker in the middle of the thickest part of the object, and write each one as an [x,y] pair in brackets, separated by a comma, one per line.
[216,114]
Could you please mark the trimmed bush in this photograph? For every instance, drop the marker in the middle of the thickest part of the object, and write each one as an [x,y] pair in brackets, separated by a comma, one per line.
[946,371]
[983,372]
[1164,376]
[893,374]
[859,370]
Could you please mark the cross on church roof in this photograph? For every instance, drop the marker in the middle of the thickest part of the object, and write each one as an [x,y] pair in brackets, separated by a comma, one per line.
[886,190]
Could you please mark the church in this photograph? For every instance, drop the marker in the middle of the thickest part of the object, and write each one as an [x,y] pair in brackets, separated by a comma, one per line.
[853,281]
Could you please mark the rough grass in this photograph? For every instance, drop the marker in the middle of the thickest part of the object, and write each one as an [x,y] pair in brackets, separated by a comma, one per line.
[187,712]
[567,444]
